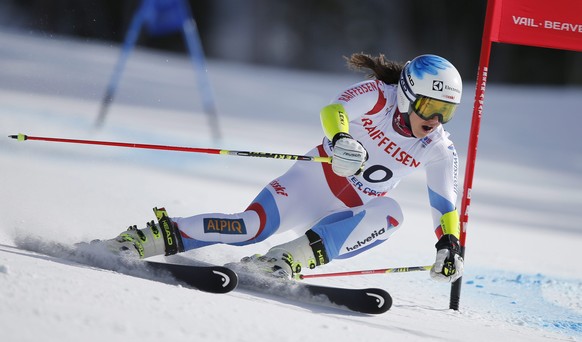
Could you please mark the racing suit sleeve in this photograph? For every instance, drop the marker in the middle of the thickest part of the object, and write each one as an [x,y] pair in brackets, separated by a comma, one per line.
[442,182]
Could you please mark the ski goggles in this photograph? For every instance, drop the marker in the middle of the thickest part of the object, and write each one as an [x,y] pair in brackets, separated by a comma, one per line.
[427,108]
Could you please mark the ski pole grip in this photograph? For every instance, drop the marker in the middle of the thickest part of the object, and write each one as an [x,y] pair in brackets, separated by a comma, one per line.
[19,137]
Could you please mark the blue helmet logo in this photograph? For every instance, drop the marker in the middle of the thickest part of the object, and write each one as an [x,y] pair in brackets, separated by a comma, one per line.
[428,64]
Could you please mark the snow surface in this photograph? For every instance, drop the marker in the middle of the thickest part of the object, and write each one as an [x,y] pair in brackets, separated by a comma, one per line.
[523,279]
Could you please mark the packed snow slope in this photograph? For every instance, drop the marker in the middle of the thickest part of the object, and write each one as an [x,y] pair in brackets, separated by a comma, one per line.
[523,279]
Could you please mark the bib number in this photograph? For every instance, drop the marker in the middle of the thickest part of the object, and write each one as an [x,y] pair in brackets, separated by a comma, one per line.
[377,174]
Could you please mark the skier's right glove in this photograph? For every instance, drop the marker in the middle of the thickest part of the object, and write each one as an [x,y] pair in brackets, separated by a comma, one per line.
[348,155]
[448,266]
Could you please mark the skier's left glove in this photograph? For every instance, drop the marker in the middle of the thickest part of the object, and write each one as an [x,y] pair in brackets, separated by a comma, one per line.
[448,266]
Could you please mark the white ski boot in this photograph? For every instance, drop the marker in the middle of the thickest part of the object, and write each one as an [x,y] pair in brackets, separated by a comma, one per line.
[287,260]
[156,239]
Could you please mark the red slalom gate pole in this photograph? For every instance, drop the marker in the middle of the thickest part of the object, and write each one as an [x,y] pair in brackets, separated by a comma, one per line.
[23,137]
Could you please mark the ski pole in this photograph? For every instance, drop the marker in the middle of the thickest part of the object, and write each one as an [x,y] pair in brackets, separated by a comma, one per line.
[23,137]
[366,272]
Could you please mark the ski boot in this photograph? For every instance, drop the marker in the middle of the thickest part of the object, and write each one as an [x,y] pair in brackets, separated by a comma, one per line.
[162,238]
[287,260]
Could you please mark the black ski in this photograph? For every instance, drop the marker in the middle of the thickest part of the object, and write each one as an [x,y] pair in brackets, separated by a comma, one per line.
[215,279]
[368,301]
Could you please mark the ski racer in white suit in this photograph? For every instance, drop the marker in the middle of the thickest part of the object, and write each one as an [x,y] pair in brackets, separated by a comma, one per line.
[377,132]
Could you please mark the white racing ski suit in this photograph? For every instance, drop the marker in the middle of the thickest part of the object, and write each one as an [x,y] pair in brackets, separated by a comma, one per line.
[350,214]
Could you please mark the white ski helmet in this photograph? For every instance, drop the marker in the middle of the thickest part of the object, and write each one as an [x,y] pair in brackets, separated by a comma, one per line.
[427,78]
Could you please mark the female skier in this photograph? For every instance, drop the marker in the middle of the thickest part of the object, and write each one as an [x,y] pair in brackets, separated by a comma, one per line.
[392,123]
